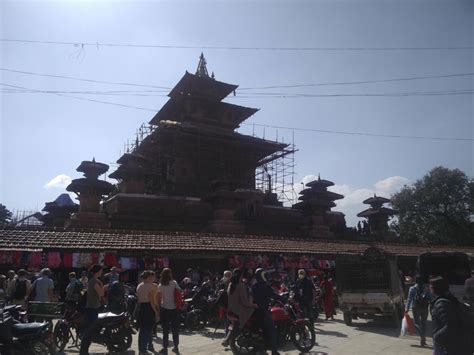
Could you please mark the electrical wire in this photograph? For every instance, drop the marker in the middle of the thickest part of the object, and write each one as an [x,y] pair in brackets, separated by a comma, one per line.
[83,98]
[81,79]
[247,88]
[246,96]
[271,126]
[359,82]
[360,133]
[243,48]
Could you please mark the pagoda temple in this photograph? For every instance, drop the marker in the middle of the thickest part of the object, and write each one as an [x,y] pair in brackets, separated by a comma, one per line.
[377,215]
[194,171]
[315,204]
[58,211]
[90,190]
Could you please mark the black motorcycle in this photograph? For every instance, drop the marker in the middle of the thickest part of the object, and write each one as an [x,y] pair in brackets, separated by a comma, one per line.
[25,338]
[201,309]
[112,330]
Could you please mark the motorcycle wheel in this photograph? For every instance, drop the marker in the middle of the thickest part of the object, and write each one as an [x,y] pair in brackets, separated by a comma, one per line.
[283,336]
[40,347]
[61,335]
[303,337]
[120,340]
[240,344]
[194,320]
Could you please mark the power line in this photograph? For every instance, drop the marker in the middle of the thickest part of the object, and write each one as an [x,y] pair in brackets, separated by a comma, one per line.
[83,98]
[243,48]
[360,82]
[276,95]
[273,126]
[395,94]
[245,88]
[360,133]
[81,79]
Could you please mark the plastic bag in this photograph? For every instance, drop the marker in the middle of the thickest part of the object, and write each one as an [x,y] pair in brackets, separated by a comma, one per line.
[408,326]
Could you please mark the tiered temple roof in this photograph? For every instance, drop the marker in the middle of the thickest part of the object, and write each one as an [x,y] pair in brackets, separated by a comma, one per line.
[376,207]
[317,195]
[194,142]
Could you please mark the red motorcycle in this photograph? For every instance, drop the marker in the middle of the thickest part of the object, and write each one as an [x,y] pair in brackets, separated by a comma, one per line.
[250,339]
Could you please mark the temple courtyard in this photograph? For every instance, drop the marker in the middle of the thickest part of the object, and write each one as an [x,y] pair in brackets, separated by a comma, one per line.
[333,337]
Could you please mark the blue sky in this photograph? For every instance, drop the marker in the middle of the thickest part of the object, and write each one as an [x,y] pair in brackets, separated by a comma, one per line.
[44,136]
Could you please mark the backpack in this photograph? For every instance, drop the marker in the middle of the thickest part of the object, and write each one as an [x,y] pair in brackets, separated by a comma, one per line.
[421,300]
[77,288]
[20,289]
[116,291]
[75,294]
[223,299]
[466,323]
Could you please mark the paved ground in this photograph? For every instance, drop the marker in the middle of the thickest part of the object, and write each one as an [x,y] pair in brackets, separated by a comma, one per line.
[333,337]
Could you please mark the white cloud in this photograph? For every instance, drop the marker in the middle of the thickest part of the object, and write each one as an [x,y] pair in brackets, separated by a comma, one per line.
[391,184]
[58,182]
[301,185]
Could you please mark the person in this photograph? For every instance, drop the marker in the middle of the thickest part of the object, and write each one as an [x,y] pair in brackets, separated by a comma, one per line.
[418,300]
[116,295]
[304,295]
[113,275]
[469,289]
[401,276]
[43,287]
[84,279]
[73,290]
[95,292]
[10,283]
[147,310]
[327,293]
[168,310]
[21,288]
[187,286]
[449,337]
[223,302]
[239,303]
[3,282]
[262,295]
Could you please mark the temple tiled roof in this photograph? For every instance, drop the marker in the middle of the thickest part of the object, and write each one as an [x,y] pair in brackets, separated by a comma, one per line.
[159,242]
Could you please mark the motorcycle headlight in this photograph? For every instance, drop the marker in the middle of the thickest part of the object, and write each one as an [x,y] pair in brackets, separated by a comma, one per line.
[46,328]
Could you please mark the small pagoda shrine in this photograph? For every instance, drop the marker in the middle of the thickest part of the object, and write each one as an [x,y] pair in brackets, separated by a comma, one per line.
[90,191]
[377,215]
[316,203]
[58,211]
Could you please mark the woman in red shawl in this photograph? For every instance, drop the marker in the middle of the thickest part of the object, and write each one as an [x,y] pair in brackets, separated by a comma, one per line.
[327,289]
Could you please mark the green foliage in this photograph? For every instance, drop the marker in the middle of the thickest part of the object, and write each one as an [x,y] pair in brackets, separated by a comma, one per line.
[437,208]
[5,215]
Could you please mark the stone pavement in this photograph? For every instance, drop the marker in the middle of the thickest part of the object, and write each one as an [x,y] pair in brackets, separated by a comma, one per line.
[332,337]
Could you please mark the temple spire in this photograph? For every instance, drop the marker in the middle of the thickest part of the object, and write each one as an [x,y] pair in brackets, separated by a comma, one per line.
[201,69]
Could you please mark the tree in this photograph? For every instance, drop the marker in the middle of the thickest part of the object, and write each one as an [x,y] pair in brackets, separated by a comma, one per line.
[5,215]
[437,209]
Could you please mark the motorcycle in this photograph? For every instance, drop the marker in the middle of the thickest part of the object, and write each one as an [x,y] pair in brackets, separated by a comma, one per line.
[112,330]
[251,340]
[16,312]
[25,338]
[200,310]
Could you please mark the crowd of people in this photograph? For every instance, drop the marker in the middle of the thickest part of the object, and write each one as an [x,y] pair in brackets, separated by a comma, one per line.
[244,292]
[156,299]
